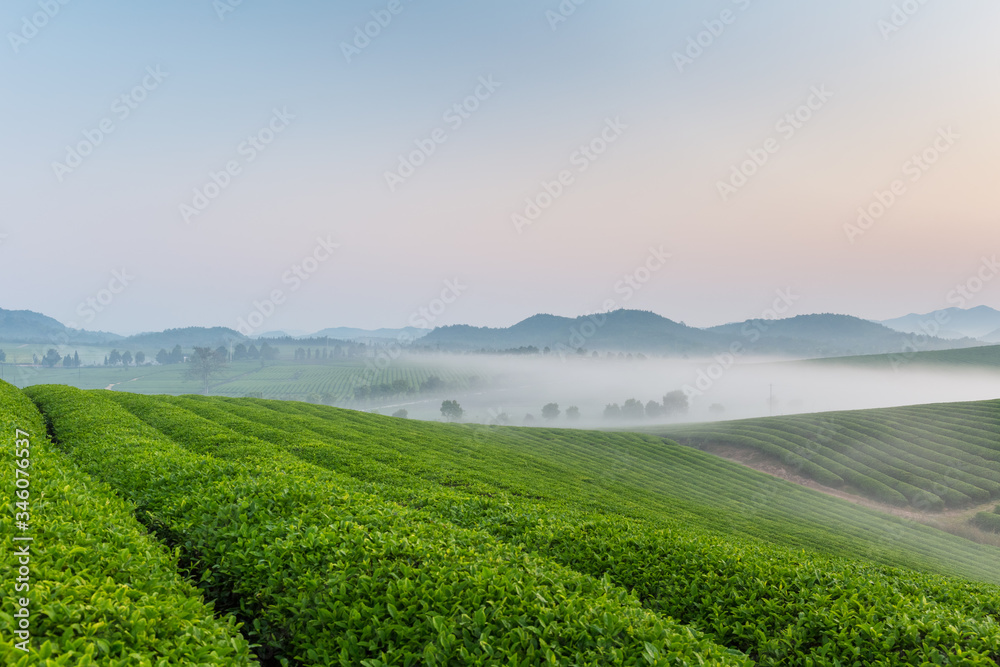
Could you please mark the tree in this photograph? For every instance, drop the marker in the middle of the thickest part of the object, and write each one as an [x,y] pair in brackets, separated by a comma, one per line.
[675,403]
[3,356]
[114,358]
[612,411]
[452,410]
[268,353]
[163,357]
[127,358]
[76,359]
[140,358]
[502,418]
[572,413]
[654,410]
[51,358]
[402,414]
[550,411]
[203,365]
[633,409]
[67,361]
[239,352]
[529,418]
[177,355]
[433,383]
[400,386]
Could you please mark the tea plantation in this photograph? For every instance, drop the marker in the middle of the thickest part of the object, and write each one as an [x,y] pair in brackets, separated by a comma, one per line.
[929,457]
[337,537]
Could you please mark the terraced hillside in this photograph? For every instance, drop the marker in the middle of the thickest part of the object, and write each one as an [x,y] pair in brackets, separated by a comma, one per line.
[928,457]
[342,537]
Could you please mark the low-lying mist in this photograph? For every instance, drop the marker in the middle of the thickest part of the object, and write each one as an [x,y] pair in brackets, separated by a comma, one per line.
[521,386]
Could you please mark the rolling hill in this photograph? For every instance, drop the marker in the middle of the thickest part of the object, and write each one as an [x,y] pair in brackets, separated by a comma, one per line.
[341,537]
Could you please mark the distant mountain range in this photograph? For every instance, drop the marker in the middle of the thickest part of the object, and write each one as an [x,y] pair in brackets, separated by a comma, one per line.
[981,322]
[641,331]
[629,331]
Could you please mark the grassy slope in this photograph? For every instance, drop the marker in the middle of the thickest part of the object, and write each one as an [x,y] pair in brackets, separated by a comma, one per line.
[631,474]
[929,457]
[781,606]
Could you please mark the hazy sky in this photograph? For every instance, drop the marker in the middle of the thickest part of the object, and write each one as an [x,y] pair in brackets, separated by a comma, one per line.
[174,163]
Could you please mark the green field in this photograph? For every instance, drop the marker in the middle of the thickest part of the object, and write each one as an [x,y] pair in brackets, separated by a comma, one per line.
[985,357]
[338,537]
[330,381]
[927,457]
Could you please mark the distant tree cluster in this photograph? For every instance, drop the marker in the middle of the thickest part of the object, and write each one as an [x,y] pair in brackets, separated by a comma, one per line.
[307,354]
[383,389]
[675,403]
[175,356]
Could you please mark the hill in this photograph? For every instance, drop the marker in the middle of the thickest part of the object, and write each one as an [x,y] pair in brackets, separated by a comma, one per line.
[927,458]
[349,333]
[981,322]
[825,335]
[187,338]
[641,331]
[25,326]
[430,540]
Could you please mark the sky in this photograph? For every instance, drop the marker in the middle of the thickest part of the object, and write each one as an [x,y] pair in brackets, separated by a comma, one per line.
[296,166]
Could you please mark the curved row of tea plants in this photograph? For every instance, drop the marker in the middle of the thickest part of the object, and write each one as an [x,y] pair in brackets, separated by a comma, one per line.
[101,590]
[928,457]
[326,573]
[622,473]
[781,606]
